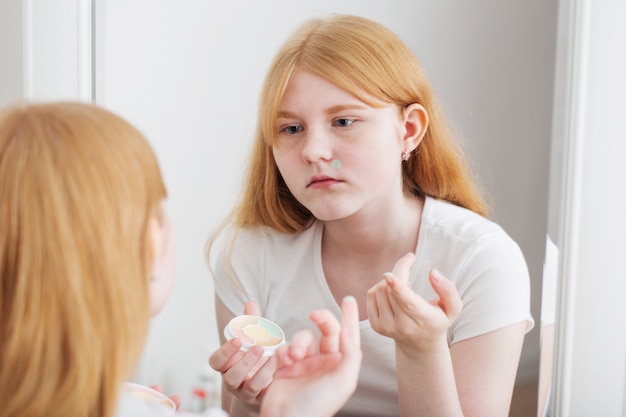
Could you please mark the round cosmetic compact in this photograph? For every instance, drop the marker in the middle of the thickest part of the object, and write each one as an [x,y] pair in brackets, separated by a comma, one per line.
[255,331]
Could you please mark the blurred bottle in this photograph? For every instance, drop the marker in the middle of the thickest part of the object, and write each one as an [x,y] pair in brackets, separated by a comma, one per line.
[206,393]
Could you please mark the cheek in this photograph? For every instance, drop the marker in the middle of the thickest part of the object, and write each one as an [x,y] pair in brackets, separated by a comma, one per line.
[163,270]
[286,162]
[381,165]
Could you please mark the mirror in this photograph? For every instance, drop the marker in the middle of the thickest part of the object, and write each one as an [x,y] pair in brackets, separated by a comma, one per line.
[188,73]
[491,63]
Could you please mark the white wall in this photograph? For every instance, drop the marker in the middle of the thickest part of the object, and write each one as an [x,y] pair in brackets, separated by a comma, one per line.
[11,68]
[187,73]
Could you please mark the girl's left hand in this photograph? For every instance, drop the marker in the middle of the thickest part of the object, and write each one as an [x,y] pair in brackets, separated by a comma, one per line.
[396,311]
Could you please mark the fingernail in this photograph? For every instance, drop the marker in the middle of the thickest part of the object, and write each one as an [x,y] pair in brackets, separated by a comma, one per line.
[387,274]
[437,276]
[349,298]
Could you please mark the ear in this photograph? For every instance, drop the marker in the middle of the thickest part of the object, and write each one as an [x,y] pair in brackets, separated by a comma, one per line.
[415,119]
[163,259]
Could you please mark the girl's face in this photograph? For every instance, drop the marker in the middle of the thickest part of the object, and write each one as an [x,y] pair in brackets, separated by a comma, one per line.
[164,259]
[338,156]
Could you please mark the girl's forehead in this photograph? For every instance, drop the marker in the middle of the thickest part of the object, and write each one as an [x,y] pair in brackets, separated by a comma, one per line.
[307,88]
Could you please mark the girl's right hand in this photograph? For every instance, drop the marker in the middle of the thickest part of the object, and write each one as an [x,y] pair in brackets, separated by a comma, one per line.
[396,311]
[245,375]
[317,376]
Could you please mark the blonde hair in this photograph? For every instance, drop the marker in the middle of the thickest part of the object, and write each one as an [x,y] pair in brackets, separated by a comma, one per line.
[78,186]
[371,62]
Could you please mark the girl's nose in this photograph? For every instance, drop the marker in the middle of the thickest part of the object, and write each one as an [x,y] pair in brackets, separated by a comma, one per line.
[316,145]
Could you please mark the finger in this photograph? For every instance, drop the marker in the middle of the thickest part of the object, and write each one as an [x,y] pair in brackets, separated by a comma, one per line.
[328,325]
[387,313]
[403,266]
[401,271]
[350,338]
[284,358]
[312,367]
[449,299]
[223,357]
[244,368]
[282,355]
[261,377]
[386,310]
[402,297]
[251,309]
[371,305]
[302,344]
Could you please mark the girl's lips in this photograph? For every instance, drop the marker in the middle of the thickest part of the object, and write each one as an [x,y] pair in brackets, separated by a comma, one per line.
[321,181]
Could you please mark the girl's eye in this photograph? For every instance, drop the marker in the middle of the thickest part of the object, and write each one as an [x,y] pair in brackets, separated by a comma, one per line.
[292,129]
[344,122]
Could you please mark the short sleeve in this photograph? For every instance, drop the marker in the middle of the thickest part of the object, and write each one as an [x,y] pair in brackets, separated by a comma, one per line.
[237,261]
[494,285]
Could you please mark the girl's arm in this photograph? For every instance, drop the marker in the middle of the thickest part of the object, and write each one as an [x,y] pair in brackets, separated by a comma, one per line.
[488,364]
[473,377]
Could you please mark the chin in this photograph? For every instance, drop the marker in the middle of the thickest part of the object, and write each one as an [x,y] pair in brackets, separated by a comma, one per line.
[331,215]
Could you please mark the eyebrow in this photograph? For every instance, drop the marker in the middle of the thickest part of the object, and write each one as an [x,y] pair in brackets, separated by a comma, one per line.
[331,110]
[341,107]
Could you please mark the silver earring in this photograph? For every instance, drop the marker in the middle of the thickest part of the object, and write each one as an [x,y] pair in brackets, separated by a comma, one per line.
[406,155]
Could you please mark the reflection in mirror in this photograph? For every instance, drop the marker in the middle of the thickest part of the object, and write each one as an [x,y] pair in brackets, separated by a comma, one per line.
[491,67]
[188,72]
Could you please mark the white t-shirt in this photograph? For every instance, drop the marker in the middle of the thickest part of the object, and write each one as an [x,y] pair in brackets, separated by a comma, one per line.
[283,274]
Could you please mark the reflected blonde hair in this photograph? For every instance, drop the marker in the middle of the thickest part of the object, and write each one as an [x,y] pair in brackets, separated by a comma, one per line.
[369,61]
[78,186]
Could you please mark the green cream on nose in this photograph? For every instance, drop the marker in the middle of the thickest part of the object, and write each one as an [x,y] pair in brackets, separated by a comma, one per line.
[335,164]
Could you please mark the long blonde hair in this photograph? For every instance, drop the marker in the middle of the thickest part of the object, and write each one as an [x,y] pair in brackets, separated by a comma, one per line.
[78,186]
[369,61]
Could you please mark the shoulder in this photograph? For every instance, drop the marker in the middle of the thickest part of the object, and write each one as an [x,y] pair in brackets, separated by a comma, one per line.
[456,222]
[249,251]
[486,265]
[255,238]
[261,264]
[469,243]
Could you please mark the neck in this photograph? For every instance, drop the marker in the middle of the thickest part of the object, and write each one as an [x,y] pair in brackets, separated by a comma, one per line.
[390,231]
